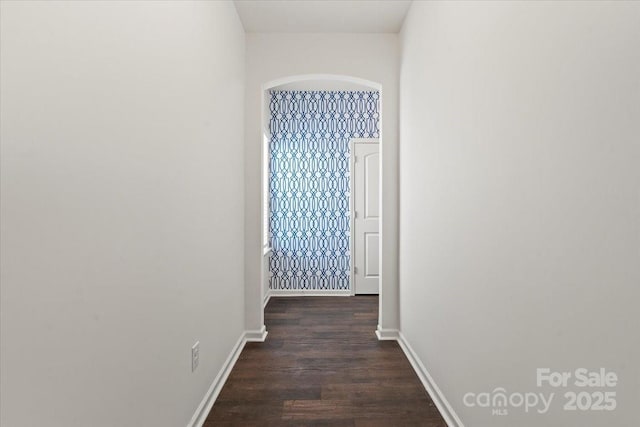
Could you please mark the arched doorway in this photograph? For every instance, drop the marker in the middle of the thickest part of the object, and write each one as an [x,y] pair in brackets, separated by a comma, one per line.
[309,82]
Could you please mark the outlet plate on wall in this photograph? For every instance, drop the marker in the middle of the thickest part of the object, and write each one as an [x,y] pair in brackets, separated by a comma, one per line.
[195,356]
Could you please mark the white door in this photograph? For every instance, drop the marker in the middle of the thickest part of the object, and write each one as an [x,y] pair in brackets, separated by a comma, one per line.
[366,205]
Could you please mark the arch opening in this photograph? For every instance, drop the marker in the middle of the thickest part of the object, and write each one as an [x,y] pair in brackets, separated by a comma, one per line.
[310,82]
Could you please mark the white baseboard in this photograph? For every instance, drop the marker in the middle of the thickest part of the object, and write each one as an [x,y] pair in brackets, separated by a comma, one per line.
[202,411]
[216,386]
[308,293]
[387,334]
[256,336]
[447,412]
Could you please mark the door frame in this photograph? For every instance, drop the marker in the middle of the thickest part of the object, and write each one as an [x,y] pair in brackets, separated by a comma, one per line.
[255,297]
[352,211]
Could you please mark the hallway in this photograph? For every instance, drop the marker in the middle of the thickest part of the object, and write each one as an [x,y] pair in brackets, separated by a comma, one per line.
[167,167]
[323,365]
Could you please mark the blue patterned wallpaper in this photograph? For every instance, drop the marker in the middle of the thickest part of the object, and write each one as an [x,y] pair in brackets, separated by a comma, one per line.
[309,184]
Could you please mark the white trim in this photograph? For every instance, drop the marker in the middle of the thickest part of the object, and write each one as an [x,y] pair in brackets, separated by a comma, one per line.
[387,334]
[256,336]
[365,141]
[277,293]
[266,86]
[267,298]
[265,291]
[331,77]
[352,273]
[203,409]
[308,293]
[441,402]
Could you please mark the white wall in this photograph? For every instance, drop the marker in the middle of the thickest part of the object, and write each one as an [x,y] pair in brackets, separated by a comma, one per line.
[274,56]
[122,208]
[520,199]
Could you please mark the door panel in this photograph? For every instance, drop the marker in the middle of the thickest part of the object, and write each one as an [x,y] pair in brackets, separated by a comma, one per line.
[372,185]
[366,235]
[372,255]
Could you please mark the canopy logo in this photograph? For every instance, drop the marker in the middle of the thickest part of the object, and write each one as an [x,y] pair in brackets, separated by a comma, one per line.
[499,400]
[601,399]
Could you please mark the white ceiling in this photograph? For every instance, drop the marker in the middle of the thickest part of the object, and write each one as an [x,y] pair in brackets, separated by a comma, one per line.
[322,16]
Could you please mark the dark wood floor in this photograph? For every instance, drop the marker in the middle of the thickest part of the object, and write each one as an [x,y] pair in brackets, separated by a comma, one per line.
[322,365]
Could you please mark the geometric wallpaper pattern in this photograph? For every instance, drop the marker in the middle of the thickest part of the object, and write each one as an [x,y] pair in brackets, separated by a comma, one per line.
[309,186]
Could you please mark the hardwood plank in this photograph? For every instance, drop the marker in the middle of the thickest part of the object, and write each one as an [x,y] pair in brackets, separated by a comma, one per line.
[322,365]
